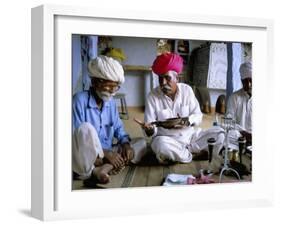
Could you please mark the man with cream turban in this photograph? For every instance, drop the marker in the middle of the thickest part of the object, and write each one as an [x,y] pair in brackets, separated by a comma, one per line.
[96,122]
[169,100]
[239,107]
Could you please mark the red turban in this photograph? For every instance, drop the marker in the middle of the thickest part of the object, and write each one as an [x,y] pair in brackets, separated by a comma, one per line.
[167,62]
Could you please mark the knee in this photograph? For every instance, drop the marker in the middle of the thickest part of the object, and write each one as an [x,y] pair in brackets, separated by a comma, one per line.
[163,148]
[157,144]
[142,143]
[220,138]
[85,126]
[139,144]
[86,142]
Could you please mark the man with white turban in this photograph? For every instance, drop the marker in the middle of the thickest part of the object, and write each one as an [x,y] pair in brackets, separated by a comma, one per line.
[239,107]
[169,100]
[96,122]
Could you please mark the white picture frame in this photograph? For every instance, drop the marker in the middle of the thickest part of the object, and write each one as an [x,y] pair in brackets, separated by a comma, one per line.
[52,196]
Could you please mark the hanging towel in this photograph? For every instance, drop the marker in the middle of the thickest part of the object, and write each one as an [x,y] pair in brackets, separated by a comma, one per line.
[217,72]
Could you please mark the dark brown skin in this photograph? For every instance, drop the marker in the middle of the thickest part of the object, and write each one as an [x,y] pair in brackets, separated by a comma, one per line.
[127,152]
[248,136]
[168,84]
[102,173]
[120,158]
[247,86]
[148,128]
[102,85]
[113,158]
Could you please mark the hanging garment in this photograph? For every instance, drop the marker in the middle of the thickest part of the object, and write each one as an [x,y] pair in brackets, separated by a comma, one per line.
[89,50]
[217,72]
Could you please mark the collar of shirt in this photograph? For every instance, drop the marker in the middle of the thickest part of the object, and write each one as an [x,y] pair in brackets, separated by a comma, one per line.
[246,94]
[93,104]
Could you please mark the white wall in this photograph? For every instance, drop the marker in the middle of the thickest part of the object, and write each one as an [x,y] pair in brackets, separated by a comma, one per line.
[139,51]
[15,113]
[134,88]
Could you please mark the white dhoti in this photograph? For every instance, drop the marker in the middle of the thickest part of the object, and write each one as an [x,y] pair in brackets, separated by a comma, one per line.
[200,140]
[233,136]
[86,147]
[168,148]
[174,149]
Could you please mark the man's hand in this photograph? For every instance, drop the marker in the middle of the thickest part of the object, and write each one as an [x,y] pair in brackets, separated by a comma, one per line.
[184,123]
[114,159]
[147,127]
[127,152]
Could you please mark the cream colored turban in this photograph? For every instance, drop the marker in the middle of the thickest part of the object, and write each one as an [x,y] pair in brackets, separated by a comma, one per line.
[246,70]
[106,68]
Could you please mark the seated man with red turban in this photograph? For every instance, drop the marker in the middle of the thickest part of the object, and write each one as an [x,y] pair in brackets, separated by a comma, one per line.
[169,100]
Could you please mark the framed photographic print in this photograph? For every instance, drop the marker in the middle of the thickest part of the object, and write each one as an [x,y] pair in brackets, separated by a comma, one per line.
[99,85]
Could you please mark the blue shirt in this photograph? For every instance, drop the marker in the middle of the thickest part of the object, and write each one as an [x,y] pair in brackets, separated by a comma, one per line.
[106,121]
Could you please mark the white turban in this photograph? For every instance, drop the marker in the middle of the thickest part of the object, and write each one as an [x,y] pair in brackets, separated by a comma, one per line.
[246,70]
[106,68]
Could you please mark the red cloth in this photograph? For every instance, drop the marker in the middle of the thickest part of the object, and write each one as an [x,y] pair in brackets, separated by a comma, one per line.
[167,62]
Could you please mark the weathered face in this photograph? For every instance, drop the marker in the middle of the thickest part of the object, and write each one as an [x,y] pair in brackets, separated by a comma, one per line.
[168,83]
[104,89]
[103,85]
[247,85]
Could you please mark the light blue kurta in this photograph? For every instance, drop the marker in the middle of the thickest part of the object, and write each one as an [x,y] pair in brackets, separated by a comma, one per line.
[106,121]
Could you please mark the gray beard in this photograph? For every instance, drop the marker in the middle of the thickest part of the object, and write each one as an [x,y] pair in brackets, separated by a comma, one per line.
[104,96]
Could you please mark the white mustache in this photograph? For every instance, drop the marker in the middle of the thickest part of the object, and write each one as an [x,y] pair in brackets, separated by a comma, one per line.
[166,88]
[105,96]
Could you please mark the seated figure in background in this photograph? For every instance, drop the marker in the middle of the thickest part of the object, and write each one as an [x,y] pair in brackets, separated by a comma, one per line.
[96,122]
[239,107]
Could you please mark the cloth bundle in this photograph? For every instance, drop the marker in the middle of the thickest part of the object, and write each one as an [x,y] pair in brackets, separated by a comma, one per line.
[187,179]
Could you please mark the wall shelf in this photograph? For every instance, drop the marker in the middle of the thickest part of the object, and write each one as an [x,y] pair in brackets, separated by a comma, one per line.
[136,68]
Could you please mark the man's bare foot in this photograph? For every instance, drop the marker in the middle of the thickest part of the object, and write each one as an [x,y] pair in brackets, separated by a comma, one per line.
[102,173]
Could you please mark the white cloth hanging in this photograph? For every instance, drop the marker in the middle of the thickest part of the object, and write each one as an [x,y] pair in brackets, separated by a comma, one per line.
[217,72]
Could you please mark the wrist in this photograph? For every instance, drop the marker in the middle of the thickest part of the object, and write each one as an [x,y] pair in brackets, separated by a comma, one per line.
[107,153]
[149,131]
